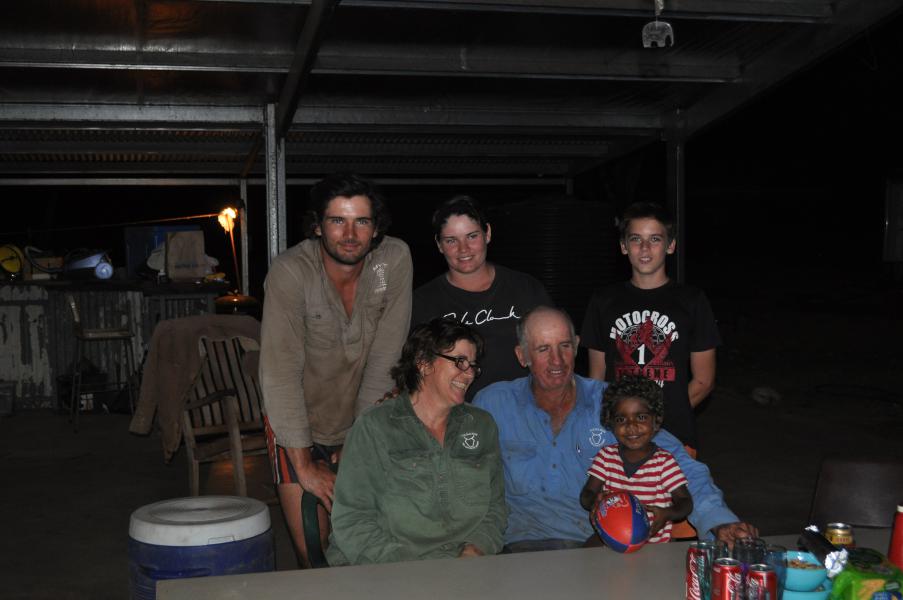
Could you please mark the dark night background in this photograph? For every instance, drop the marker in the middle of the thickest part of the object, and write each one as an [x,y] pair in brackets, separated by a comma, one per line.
[785,213]
[788,192]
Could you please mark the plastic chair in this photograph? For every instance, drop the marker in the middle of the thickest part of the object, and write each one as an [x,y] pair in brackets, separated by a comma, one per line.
[221,419]
[83,336]
[862,492]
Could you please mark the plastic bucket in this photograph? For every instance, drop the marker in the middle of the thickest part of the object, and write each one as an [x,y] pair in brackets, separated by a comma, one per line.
[197,537]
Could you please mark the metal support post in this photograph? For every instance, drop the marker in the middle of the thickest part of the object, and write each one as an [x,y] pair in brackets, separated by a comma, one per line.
[243,221]
[275,179]
[676,193]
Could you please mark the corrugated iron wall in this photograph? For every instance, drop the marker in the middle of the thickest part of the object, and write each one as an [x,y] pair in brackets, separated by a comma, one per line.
[37,343]
[24,349]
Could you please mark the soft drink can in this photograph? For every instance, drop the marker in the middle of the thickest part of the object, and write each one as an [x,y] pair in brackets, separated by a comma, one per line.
[839,534]
[761,583]
[727,579]
[699,570]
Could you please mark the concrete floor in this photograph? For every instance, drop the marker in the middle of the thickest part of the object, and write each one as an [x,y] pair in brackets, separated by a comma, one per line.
[67,497]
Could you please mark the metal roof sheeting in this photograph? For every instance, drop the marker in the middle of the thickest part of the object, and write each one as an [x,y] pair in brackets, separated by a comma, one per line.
[422,86]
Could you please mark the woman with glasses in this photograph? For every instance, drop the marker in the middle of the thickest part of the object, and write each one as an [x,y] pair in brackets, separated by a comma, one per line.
[421,474]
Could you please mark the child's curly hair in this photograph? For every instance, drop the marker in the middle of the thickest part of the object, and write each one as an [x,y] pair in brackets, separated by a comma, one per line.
[632,386]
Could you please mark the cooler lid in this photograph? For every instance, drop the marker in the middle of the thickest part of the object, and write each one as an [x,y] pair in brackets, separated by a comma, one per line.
[199,521]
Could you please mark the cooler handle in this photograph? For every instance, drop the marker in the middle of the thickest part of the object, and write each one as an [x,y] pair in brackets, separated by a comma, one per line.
[183,574]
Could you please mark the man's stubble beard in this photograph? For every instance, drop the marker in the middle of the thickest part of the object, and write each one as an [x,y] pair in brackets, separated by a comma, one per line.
[342,259]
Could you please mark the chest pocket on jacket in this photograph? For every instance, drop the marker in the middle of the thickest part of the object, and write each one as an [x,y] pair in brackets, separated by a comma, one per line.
[410,470]
[471,472]
[521,470]
[373,309]
[320,328]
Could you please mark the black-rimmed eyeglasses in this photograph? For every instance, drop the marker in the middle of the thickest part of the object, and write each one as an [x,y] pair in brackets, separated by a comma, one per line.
[463,364]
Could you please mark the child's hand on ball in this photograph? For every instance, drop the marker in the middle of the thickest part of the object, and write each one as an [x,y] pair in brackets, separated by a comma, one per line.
[659,518]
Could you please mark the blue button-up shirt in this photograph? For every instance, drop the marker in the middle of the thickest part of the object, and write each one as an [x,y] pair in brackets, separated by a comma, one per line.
[544,472]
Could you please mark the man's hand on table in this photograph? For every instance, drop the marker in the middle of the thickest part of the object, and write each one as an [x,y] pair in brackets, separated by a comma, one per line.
[470,550]
[731,532]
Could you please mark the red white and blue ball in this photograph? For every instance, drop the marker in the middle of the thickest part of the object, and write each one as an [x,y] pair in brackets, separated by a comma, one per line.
[621,521]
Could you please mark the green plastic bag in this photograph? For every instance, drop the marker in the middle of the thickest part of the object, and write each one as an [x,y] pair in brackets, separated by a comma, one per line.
[868,575]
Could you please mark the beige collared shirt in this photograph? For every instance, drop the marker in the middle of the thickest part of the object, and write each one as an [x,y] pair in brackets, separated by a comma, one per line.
[319,368]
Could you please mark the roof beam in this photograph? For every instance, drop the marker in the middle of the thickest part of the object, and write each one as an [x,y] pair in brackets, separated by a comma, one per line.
[786,57]
[76,168]
[794,11]
[329,113]
[219,181]
[431,166]
[131,116]
[483,146]
[470,115]
[129,59]
[435,60]
[305,53]
[183,148]
[522,62]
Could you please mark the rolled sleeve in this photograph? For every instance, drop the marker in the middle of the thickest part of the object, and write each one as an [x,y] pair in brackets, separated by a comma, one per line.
[709,509]
[392,329]
[282,356]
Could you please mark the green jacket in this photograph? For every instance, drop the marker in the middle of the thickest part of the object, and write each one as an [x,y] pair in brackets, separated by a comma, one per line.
[401,496]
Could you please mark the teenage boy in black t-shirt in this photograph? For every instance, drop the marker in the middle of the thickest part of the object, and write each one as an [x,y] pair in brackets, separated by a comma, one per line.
[653,326]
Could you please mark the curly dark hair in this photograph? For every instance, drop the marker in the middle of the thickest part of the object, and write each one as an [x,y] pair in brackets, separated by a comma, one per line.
[632,386]
[425,341]
[347,185]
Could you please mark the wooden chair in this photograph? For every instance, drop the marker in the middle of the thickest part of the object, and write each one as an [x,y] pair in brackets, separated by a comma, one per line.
[222,418]
[862,492]
[84,335]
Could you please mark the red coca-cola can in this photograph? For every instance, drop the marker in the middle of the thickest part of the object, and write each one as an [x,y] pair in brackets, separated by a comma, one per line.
[699,570]
[761,583]
[727,579]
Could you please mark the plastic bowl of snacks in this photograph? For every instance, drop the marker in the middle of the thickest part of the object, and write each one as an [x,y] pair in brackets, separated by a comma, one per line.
[804,573]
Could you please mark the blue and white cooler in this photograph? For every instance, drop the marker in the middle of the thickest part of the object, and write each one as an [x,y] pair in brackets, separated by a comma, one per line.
[197,537]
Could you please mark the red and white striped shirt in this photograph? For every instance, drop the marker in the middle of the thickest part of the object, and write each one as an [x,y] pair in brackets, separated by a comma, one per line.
[652,484]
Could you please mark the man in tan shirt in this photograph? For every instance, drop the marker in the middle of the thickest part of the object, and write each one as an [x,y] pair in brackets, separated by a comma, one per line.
[335,316]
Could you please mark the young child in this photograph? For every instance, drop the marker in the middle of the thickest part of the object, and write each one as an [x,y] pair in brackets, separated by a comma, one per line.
[633,409]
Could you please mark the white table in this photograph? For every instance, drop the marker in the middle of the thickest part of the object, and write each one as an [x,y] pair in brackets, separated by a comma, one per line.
[655,572]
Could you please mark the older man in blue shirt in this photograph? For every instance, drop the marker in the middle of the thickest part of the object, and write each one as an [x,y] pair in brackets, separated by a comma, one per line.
[549,431]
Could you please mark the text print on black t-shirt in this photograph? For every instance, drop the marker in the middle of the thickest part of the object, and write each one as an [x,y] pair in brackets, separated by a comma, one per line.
[484,315]
[643,339]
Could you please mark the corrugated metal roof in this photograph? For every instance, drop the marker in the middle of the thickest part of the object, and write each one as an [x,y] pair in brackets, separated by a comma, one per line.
[427,86]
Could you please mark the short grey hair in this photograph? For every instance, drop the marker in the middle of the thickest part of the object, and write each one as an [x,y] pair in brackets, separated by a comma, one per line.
[522,324]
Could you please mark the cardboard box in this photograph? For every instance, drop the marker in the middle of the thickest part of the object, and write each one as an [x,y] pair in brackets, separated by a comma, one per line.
[185,258]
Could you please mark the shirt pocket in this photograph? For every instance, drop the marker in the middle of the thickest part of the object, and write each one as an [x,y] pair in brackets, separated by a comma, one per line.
[320,328]
[410,471]
[472,484]
[373,313]
[521,469]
